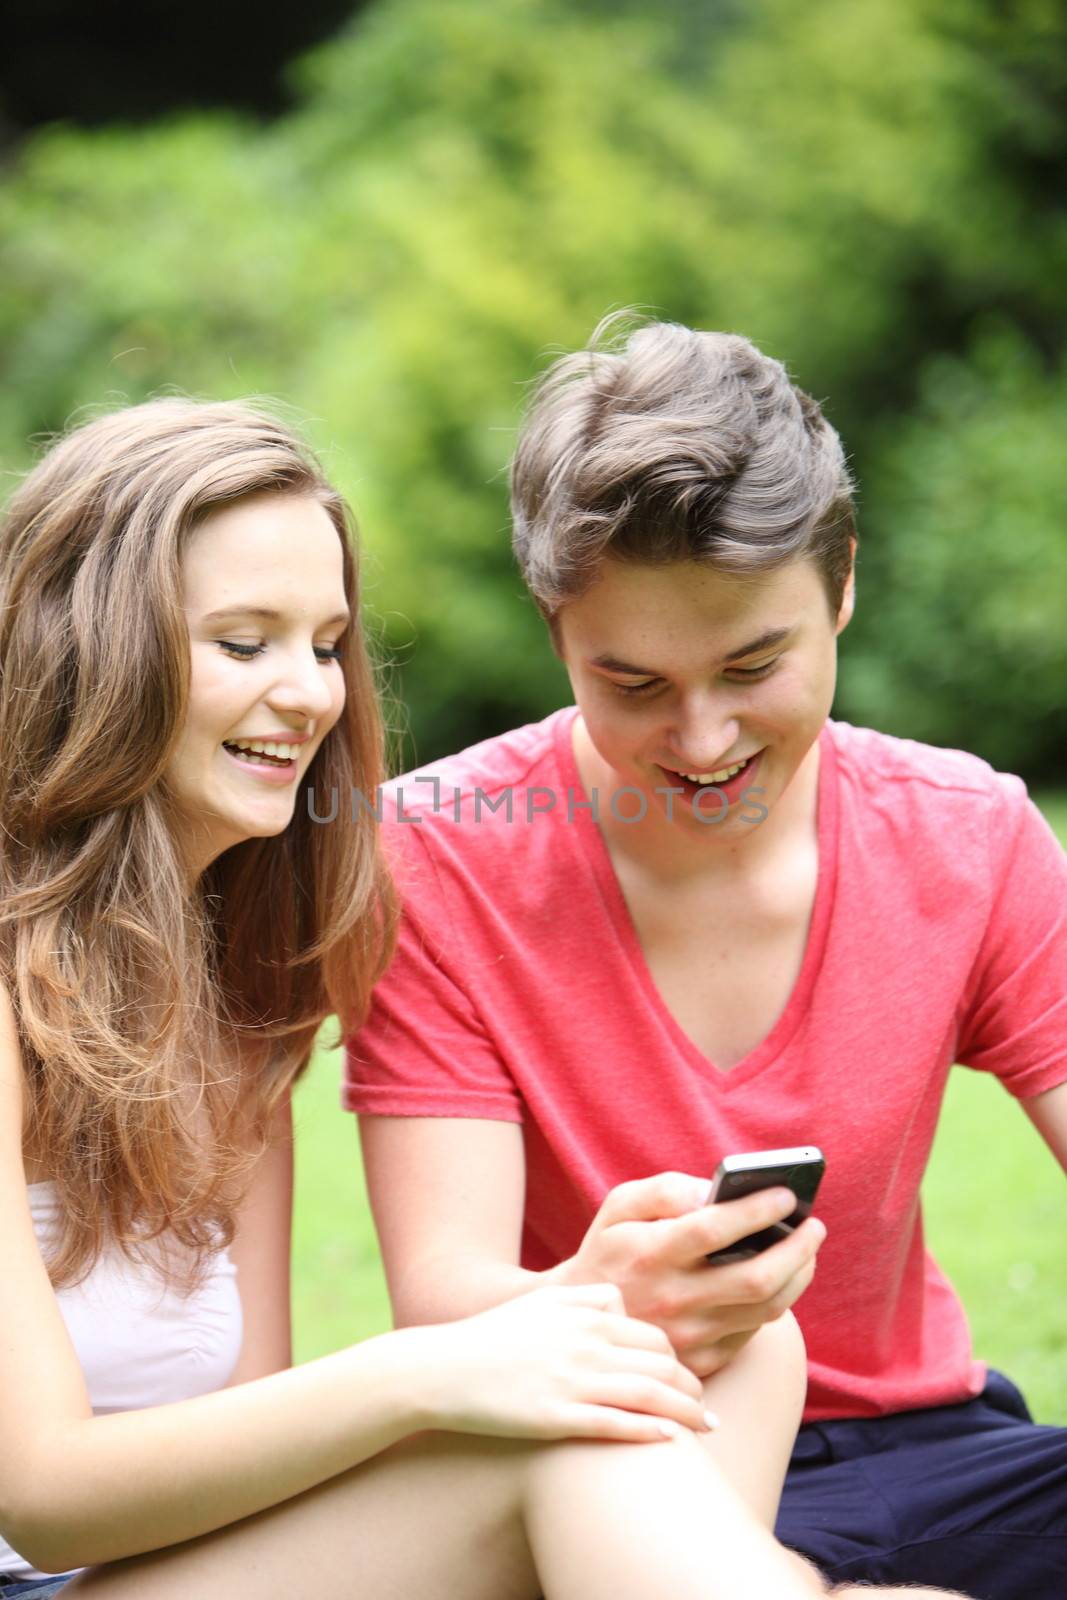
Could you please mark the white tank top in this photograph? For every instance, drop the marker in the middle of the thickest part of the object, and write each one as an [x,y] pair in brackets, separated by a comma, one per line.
[140,1342]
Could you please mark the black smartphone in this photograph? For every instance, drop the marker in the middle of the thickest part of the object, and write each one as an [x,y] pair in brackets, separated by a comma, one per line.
[799,1169]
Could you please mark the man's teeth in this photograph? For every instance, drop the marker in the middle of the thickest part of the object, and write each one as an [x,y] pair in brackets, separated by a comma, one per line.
[714,777]
[266,747]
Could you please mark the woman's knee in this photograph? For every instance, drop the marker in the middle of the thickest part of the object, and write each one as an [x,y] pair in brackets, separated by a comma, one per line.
[775,1360]
[785,1337]
[781,1346]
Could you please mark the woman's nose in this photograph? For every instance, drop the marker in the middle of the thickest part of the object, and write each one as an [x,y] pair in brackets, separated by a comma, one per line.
[304,686]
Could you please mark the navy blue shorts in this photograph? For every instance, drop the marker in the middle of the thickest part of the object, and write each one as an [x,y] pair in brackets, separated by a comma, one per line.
[970,1497]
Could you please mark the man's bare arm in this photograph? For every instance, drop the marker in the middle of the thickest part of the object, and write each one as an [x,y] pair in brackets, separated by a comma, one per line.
[1048,1113]
[448,1195]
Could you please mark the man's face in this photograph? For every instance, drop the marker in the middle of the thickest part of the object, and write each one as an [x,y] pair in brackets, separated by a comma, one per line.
[683,675]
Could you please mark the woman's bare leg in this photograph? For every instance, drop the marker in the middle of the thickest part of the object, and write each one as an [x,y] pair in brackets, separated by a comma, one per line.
[444,1515]
[437,1516]
[701,1510]
[667,1524]
[759,1399]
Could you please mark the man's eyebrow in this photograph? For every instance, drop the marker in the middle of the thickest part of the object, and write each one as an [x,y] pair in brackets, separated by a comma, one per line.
[265,614]
[766,641]
[613,664]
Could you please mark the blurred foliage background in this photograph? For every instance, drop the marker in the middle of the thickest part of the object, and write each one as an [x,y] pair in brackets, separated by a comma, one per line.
[457,189]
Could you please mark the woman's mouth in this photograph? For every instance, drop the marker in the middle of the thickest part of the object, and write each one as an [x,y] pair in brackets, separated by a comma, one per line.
[274,760]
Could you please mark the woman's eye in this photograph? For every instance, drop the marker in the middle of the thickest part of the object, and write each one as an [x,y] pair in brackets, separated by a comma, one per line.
[244,652]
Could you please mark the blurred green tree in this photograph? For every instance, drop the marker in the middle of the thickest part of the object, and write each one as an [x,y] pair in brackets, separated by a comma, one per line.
[867,191]
[968,575]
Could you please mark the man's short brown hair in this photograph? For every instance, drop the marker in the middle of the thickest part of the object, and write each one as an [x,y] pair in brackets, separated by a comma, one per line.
[673,445]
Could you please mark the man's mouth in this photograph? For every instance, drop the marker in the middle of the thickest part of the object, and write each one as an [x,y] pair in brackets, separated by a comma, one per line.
[722,776]
[726,781]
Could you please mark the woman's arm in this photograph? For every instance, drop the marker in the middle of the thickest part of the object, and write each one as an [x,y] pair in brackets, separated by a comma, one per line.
[76,1489]
[260,1252]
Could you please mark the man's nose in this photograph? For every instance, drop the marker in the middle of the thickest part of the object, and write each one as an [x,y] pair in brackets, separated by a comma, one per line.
[708,733]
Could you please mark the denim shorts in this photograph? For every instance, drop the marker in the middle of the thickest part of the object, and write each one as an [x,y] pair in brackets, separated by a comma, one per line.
[38,1588]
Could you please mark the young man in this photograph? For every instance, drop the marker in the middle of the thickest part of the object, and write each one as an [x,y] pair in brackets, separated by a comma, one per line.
[692,917]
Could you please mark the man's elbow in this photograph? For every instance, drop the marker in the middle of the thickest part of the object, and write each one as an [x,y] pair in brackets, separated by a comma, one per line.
[420,1295]
[438,1286]
[453,1284]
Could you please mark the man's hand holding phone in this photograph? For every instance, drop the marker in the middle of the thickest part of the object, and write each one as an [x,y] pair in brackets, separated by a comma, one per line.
[652,1238]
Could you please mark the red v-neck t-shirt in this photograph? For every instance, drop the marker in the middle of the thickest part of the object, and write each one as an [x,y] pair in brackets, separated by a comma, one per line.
[520,993]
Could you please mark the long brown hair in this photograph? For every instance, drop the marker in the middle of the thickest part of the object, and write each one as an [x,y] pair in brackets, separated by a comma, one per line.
[160,1024]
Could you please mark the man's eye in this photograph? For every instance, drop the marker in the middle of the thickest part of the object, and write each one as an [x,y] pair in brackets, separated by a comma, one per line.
[635,688]
[751,674]
[244,652]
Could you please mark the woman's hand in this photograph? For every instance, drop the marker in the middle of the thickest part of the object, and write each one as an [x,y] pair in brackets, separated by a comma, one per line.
[555,1363]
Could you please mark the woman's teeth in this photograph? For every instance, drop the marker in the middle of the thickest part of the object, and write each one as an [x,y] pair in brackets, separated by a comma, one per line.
[277,749]
[715,777]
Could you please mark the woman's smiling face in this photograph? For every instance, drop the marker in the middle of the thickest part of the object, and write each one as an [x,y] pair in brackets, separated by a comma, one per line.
[264,598]
[681,670]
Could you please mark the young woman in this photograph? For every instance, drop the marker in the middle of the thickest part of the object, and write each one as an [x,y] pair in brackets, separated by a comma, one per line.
[180,663]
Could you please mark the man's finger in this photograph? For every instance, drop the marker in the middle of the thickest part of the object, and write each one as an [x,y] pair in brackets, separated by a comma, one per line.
[705,1360]
[667,1194]
[781,1273]
[691,1237]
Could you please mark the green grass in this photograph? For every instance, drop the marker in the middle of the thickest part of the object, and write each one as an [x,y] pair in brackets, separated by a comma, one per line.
[1054,804]
[995,1204]
[338,1285]
[996,1219]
